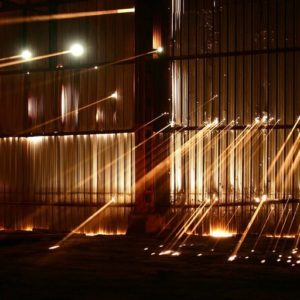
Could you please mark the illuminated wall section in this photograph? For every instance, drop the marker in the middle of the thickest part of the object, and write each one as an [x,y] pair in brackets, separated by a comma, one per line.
[231,62]
[75,169]
[63,179]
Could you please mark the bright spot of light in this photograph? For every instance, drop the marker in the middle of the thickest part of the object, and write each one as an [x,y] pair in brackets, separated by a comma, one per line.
[167,252]
[26,54]
[220,233]
[262,261]
[264,198]
[35,139]
[160,50]
[232,258]
[114,95]
[54,247]
[76,50]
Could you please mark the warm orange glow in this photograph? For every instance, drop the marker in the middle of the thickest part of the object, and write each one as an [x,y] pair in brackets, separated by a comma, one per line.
[64,16]
[103,232]
[89,219]
[221,233]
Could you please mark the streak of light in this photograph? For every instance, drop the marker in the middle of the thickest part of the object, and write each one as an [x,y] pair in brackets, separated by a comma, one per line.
[84,223]
[297,237]
[202,217]
[102,232]
[64,16]
[288,161]
[10,57]
[263,227]
[107,166]
[282,228]
[282,236]
[54,247]
[289,229]
[272,165]
[240,242]
[125,59]
[21,61]
[278,223]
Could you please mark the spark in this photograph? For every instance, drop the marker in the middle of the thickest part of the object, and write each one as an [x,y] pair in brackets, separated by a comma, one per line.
[85,222]
[114,95]
[166,252]
[54,247]
[239,244]
[232,258]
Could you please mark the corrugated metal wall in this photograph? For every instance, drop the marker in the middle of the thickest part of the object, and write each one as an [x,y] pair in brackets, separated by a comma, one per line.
[235,61]
[63,165]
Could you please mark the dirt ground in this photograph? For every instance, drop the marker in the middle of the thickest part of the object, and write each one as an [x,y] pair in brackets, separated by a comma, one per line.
[122,267]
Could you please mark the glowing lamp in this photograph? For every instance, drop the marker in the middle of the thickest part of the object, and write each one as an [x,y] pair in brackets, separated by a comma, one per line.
[160,50]
[76,50]
[26,54]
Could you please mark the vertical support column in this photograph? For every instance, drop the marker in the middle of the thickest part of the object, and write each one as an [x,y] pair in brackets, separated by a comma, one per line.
[151,98]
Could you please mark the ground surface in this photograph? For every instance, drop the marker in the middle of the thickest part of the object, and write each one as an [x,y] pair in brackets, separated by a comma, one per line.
[118,267]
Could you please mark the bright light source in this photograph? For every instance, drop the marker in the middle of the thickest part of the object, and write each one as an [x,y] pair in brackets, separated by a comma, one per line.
[220,233]
[232,258]
[114,95]
[26,54]
[54,247]
[264,198]
[160,50]
[76,50]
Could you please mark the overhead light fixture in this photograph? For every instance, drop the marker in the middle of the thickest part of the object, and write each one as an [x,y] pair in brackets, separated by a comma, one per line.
[26,54]
[76,50]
